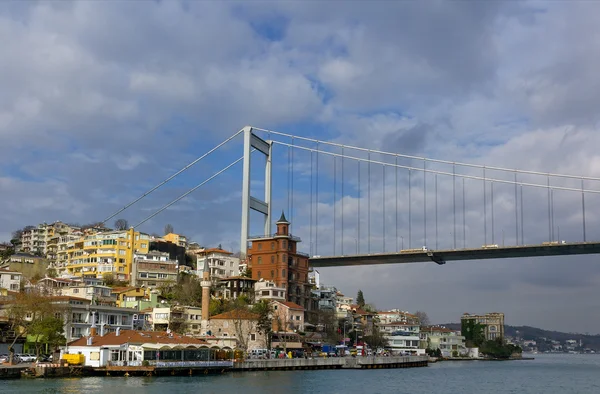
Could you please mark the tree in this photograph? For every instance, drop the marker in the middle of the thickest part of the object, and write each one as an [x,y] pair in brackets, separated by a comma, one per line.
[52,273]
[376,340]
[33,313]
[360,298]
[47,330]
[168,229]
[423,318]
[473,332]
[109,279]
[265,320]
[121,224]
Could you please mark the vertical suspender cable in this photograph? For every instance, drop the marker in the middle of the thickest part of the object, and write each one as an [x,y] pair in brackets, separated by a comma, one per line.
[583,210]
[516,213]
[369,203]
[383,200]
[484,210]
[549,219]
[317,206]
[409,210]
[493,238]
[436,213]
[396,176]
[311,205]
[292,187]
[334,202]
[454,200]
[522,222]
[424,202]
[358,216]
[464,218]
[342,240]
[552,216]
[289,180]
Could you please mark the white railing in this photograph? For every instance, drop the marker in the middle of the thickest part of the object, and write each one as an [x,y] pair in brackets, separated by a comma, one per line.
[187,364]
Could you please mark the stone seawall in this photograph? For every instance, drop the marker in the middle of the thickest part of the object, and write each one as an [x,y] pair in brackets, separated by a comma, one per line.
[331,363]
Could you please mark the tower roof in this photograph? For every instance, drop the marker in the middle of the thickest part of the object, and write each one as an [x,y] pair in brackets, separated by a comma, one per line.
[282,219]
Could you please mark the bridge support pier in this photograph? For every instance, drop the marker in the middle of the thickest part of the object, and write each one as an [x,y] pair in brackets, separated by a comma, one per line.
[251,141]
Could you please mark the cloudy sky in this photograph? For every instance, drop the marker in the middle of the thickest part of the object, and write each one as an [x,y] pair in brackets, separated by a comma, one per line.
[100,101]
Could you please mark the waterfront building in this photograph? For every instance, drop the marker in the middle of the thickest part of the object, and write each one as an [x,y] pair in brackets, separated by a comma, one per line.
[402,338]
[98,295]
[153,269]
[79,314]
[240,324]
[177,318]
[102,253]
[267,290]
[177,239]
[27,264]
[233,287]
[450,342]
[222,264]
[287,316]
[10,280]
[493,324]
[277,259]
[131,348]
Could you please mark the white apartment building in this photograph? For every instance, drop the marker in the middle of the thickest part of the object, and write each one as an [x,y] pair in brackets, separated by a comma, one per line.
[267,290]
[396,315]
[222,264]
[10,280]
[450,342]
[403,338]
[79,313]
[187,318]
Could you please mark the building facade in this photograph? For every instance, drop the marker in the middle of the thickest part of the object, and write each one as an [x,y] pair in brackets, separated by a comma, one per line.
[153,269]
[277,259]
[176,239]
[10,280]
[222,264]
[402,338]
[493,324]
[267,290]
[450,342]
[98,254]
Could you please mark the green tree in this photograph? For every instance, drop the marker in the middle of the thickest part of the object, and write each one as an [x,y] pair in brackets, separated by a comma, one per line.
[47,330]
[473,332]
[265,320]
[360,298]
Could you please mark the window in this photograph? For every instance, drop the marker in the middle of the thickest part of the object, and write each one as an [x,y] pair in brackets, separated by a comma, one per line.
[14,277]
[253,337]
[259,246]
[259,274]
[284,244]
[272,259]
[75,291]
[259,260]
[283,273]
[272,245]
[122,252]
[272,274]
[144,246]
[14,286]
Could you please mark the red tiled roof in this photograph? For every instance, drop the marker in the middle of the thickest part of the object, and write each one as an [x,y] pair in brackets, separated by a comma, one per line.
[436,328]
[291,305]
[216,250]
[139,337]
[397,323]
[243,314]
[68,298]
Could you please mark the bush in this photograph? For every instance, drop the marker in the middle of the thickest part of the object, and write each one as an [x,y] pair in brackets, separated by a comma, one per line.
[145,363]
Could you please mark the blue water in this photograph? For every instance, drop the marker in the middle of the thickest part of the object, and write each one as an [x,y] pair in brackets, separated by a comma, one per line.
[546,374]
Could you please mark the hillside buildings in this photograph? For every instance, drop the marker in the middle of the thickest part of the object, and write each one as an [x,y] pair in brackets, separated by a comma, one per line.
[153,269]
[222,264]
[10,280]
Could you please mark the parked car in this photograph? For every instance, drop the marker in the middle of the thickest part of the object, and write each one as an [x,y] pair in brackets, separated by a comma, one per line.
[4,358]
[26,358]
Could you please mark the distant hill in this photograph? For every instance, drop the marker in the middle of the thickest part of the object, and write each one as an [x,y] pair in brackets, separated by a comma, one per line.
[535,334]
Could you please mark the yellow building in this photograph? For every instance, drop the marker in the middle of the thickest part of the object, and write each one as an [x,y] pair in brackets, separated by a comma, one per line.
[112,252]
[177,239]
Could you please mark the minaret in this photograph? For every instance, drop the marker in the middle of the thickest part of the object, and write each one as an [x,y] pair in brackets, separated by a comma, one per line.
[205,283]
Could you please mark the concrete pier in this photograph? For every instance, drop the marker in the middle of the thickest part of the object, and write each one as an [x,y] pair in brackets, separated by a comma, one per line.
[332,363]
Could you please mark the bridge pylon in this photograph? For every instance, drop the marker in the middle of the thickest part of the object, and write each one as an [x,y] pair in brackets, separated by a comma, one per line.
[253,142]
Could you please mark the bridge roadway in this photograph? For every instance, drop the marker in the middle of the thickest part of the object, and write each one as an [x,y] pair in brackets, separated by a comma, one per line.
[442,256]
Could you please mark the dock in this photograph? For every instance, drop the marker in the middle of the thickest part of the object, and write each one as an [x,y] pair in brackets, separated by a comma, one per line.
[296,364]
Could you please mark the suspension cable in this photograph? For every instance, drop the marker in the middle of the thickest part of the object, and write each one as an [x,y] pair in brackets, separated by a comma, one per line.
[460,164]
[172,176]
[449,173]
[190,191]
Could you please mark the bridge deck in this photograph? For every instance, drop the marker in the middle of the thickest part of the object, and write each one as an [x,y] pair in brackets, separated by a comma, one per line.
[442,256]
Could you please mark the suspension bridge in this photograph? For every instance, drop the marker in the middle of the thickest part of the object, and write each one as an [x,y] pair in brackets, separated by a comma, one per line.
[354,205]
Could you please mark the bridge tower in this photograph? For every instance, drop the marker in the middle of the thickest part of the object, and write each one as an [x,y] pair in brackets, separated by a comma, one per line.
[253,142]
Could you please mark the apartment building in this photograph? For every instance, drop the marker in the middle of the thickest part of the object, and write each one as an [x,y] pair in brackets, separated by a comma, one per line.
[402,338]
[450,342]
[10,280]
[27,264]
[222,264]
[177,239]
[493,324]
[287,316]
[233,287]
[276,258]
[267,290]
[396,315]
[80,313]
[153,269]
[178,318]
[111,252]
